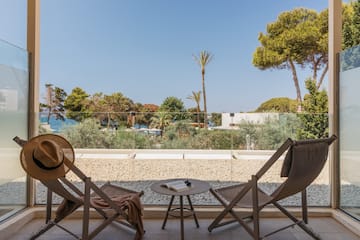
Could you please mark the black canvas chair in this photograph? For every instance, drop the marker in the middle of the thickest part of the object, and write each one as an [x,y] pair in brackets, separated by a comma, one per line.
[303,162]
[49,158]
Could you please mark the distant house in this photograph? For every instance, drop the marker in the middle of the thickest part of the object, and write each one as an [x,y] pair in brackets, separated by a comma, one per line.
[232,120]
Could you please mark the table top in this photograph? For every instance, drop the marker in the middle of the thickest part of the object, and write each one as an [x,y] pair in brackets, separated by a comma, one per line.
[197,186]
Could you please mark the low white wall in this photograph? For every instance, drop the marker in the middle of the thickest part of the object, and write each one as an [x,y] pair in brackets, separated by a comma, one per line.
[201,164]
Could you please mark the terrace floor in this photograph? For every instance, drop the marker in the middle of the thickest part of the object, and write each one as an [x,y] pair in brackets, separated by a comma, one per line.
[326,227]
[139,173]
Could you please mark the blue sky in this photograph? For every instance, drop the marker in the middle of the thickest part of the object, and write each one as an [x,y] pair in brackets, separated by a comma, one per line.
[144,48]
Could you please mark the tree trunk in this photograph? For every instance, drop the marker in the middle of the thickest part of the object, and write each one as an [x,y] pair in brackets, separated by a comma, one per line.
[198,115]
[204,95]
[315,65]
[322,76]
[297,87]
[108,123]
[49,114]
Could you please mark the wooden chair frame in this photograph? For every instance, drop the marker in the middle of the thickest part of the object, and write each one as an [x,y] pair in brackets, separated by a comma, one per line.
[251,189]
[74,198]
[90,190]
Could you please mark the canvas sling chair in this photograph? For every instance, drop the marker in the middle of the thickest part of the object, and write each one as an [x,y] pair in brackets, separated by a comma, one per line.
[303,162]
[113,203]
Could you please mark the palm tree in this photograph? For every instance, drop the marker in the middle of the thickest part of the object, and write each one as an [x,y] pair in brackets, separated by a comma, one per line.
[203,59]
[196,96]
[160,120]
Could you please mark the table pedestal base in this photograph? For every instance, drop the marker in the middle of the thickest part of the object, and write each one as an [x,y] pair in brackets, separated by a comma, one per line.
[184,212]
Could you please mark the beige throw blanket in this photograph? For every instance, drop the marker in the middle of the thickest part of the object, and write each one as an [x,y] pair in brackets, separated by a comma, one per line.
[131,204]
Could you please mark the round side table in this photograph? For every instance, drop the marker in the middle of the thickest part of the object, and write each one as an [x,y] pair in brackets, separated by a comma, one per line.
[196,187]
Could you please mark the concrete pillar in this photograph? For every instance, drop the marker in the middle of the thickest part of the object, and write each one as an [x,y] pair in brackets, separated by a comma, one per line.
[33,47]
[335,38]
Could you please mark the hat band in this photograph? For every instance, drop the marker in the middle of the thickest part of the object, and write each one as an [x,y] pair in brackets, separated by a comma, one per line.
[40,165]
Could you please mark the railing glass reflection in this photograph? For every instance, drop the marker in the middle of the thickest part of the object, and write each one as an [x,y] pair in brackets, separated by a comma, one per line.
[349,131]
[134,149]
[13,121]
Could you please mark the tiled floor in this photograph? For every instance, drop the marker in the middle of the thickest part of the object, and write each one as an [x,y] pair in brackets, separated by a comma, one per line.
[327,228]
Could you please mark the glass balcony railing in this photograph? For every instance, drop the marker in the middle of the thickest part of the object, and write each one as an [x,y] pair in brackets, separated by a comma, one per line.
[14,87]
[349,131]
[134,150]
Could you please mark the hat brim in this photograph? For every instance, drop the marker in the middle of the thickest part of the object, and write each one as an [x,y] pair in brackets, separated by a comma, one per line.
[27,162]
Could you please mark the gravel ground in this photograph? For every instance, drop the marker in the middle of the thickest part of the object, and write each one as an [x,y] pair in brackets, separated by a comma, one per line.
[318,195]
[140,174]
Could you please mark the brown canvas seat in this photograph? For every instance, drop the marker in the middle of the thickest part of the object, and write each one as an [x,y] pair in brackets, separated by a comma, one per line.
[49,158]
[303,162]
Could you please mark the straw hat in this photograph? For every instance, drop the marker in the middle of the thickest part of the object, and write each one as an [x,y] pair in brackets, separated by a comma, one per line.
[42,157]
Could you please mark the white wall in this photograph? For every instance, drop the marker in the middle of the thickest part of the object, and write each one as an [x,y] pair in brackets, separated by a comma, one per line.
[257,118]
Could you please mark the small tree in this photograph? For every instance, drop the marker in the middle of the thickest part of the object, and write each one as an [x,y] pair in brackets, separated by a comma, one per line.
[196,97]
[174,107]
[160,120]
[111,110]
[314,119]
[76,105]
[281,105]
[147,111]
[216,119]
[55,98]
[351,24]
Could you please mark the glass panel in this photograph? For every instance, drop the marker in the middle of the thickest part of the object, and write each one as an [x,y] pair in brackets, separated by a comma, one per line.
[14,85]
[136,149]
[349,131]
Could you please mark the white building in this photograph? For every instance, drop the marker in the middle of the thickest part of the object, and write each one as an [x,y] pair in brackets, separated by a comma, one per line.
[231,120]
